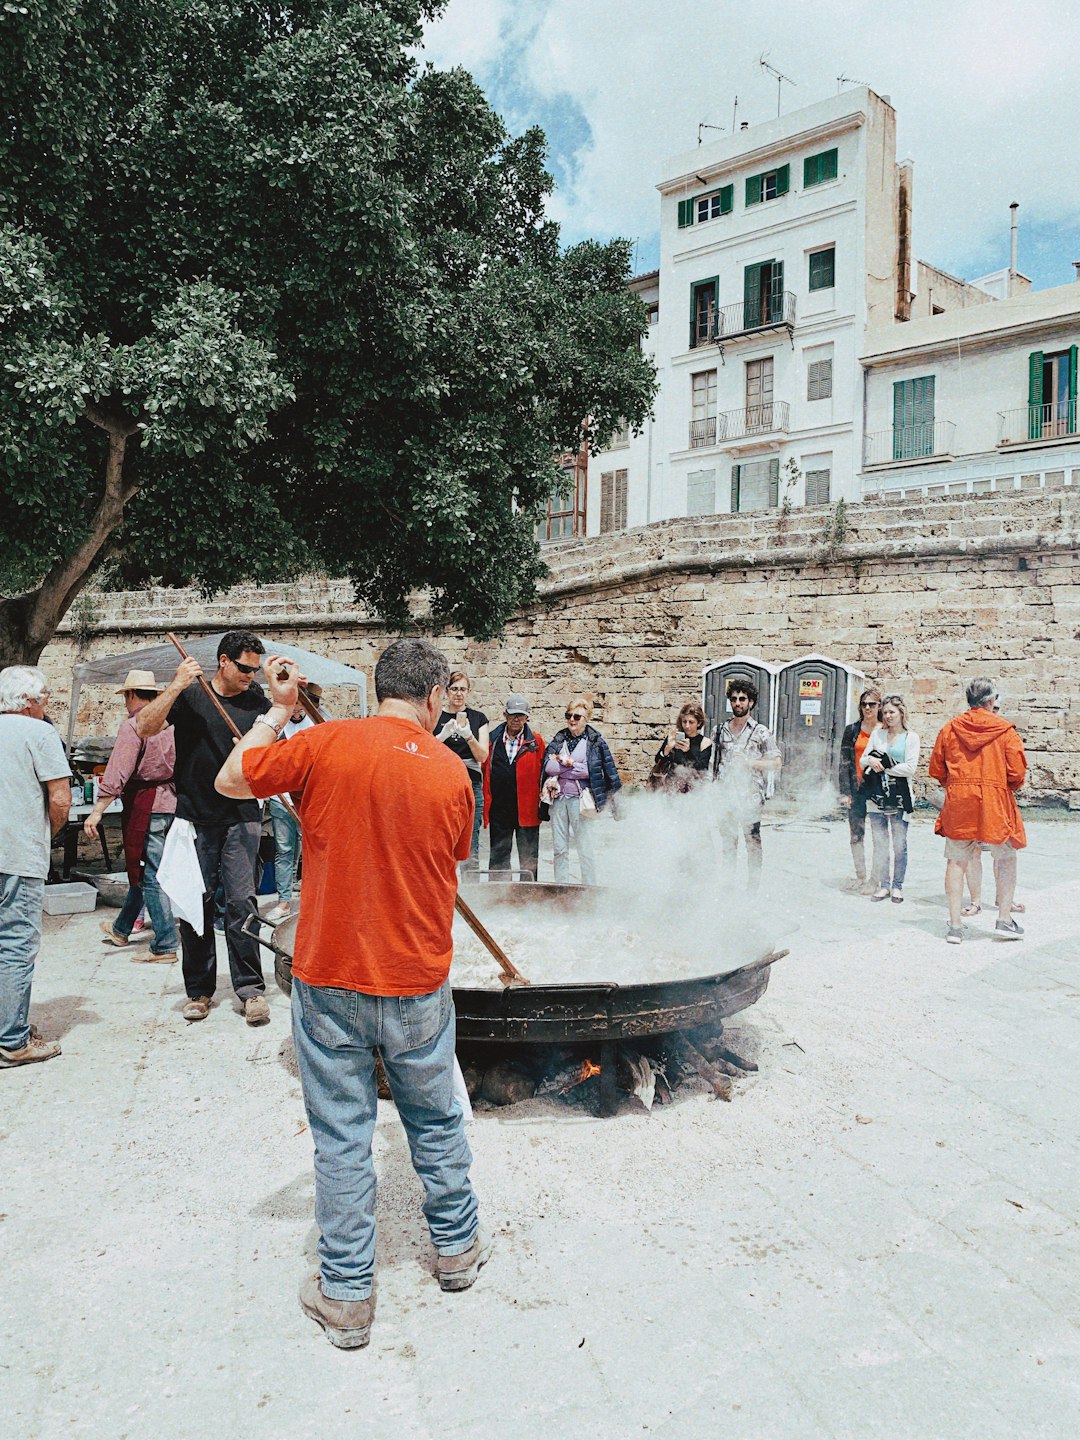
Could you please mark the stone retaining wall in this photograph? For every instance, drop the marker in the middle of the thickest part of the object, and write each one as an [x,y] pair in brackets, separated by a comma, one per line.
[918,595]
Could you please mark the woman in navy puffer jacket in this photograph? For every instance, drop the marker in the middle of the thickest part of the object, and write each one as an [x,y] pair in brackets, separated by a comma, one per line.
[576,760]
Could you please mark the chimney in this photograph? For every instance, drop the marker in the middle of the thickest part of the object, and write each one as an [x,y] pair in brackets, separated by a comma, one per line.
[905,174]
[1013,208]
[1076,267]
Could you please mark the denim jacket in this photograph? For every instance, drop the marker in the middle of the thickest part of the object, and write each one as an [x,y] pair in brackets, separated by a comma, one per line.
[603,777]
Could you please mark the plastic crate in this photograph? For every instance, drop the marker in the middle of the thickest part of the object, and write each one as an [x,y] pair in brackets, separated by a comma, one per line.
[71,898]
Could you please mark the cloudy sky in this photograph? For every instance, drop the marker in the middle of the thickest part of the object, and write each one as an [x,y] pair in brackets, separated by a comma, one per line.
[986,96]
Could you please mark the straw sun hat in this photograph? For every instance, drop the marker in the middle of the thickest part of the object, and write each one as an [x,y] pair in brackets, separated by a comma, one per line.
[139,680]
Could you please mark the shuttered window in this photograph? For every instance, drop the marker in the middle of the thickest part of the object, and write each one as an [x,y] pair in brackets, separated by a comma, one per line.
[755,485]
[818,168]
[686,213]
[712,206]
[819,380]
[704,302]
[613,488]
[818,484]
[768,186]
[823,269]
[913,418]
[701,492]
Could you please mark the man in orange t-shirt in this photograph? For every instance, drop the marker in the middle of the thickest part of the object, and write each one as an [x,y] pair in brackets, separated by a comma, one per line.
[386,811]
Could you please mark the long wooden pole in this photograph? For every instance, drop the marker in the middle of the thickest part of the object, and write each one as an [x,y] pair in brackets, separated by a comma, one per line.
[510,972]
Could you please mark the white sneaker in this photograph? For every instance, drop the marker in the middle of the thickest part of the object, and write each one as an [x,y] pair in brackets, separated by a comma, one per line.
[278,912]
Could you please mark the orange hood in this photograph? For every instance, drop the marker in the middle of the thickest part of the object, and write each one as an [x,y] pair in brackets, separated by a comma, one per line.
[976,729]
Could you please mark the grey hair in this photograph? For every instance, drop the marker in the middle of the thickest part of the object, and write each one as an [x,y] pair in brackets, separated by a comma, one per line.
[19,686]
[410,670]
[981,693]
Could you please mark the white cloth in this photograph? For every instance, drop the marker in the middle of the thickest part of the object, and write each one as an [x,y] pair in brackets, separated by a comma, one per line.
[461,1094]
[180,874]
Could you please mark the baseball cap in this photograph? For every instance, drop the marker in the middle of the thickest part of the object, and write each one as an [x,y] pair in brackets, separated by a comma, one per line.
[516,705]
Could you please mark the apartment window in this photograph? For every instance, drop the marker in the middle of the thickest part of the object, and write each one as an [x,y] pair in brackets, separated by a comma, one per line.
[564,515]
[613,490]
[704,301]
[701,492]
[654,314]
[759,394]
[711,207]
[1052,394]
[819,380]
[818,486]
[768,186]
[913,418]
[703,408]
[818,168]
[763,294]
[620,439]
[755,485]
[823,269]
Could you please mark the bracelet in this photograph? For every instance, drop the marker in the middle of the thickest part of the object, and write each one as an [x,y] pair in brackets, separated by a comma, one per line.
[262,720]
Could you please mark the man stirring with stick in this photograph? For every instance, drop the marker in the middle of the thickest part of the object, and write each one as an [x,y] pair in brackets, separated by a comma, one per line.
[386,813]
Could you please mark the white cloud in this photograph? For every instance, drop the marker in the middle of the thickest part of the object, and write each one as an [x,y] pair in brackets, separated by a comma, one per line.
[984,90]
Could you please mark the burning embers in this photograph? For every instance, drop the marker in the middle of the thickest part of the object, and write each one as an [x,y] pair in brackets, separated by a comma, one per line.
[600,1078]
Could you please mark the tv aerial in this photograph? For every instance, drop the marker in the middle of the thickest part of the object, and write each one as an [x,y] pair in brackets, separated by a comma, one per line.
[842,80]
[704,126]
[781,79]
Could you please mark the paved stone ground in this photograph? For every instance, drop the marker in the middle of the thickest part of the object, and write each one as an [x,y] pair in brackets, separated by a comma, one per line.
[877,1237]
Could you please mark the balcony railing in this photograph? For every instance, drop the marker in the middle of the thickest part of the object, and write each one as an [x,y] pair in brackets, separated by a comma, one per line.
[769,419]
[923,441]
[1037,422]
[771,312]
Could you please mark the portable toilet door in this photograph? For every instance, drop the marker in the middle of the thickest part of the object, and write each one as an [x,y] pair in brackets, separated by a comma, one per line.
[814,701]
[714,688]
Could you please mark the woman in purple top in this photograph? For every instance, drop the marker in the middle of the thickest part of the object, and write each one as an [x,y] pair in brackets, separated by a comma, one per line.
[577,762]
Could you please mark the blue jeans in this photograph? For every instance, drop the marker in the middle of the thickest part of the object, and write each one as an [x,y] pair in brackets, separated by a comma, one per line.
[336,1033]
[566,821]
[286,848]
[157,902]
[477,782]
[882,823]
[20,938]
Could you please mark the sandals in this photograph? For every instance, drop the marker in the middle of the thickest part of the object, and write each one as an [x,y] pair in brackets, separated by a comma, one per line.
[970,910]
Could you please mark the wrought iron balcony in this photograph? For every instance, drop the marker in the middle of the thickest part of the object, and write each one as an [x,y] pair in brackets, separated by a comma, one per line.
[772,418]
[1037,422]
[924,441]
[771,312]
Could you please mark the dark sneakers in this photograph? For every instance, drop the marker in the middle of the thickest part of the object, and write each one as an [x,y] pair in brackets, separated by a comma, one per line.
[1008,930]
[954,935]
[347,1322]
[458,1272]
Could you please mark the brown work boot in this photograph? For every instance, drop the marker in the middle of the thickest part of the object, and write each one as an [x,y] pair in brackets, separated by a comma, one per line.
[34,1050]
[148,957]
[458,1272]
[347,1322]
[197,1007]
[111,935]
[257,1010]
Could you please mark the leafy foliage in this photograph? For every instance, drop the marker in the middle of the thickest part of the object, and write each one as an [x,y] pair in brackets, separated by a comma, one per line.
[312,285]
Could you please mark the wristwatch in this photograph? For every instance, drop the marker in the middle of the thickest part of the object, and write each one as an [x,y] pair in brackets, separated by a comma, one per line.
[277,729]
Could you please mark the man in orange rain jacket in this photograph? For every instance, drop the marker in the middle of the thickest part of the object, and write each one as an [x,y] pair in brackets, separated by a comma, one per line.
[979,759]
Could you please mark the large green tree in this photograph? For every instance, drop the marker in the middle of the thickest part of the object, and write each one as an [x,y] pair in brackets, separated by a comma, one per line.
[274,295]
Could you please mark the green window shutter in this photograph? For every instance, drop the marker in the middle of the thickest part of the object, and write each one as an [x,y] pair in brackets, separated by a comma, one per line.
[1072,389]
[776,291]
[828,163]
[686,213]
[1035,394]
[751,295]
[783,180]
[693,316]
[823,269]
[811,171]
[753,190]
[727,199]
[774,482]
[735,488]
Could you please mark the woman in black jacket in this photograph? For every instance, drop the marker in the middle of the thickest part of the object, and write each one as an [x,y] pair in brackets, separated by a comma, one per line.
[683,759]
[852,746]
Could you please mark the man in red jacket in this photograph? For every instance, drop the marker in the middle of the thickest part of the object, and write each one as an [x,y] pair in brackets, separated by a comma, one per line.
[979,759]
[512,791]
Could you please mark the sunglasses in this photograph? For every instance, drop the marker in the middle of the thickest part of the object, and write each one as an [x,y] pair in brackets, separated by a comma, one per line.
[870,704]
[246,669]
[574,715]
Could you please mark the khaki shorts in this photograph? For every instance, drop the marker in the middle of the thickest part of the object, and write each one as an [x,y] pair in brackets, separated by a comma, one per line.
[965,850]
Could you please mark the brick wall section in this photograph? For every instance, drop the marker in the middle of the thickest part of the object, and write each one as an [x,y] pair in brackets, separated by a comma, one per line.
[921,595]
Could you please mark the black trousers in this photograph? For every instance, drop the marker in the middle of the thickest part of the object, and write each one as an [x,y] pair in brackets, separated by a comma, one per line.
[503,833]
[227,855]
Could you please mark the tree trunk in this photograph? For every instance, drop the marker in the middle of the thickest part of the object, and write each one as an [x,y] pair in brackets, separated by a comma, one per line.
[28,622]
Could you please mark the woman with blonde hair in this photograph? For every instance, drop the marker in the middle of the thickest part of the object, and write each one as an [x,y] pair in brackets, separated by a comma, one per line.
[853,745]
[579,776]
[889,762]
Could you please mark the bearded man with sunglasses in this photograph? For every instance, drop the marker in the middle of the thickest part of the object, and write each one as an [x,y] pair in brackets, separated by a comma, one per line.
[226,831]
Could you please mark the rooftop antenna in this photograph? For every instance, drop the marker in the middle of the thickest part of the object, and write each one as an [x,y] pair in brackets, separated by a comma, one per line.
[703,126]
[781,80]
[842,80]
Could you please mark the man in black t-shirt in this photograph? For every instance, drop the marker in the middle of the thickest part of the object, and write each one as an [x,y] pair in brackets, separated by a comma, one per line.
[226,831]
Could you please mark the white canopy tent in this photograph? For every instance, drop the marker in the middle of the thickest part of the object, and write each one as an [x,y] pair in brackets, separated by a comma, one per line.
[163,660]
